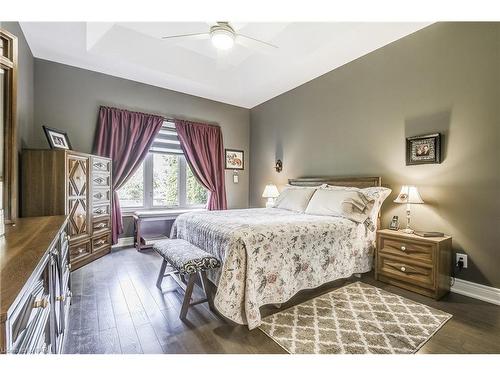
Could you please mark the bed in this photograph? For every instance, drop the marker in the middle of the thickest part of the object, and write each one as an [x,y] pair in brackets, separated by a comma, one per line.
[269,254]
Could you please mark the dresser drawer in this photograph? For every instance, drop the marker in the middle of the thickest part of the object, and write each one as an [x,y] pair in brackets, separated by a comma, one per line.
[101,196]
[79,250]
[101,210]
[101,225]
[101,180]
[101,165]
[407,249]
[101,242]
[411,272]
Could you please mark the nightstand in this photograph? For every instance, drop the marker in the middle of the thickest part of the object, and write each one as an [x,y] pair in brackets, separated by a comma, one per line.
[419,264]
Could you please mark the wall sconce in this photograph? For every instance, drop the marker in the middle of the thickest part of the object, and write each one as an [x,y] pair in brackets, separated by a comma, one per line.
[278,166]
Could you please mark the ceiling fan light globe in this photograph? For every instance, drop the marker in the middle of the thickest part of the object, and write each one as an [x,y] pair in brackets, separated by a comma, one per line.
[222,39]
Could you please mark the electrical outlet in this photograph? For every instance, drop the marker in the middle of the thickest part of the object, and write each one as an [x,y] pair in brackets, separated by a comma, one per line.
[464,259]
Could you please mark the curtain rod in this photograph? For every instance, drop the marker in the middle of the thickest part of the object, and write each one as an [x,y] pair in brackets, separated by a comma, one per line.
[169,119]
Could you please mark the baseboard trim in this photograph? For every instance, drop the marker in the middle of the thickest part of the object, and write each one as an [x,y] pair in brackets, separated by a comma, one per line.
[477,291]
[124,242]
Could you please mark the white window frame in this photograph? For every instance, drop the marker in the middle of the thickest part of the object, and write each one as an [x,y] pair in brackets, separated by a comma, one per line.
[148,188]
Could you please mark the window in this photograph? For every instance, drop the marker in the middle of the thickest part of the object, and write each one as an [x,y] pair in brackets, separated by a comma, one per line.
[164,179]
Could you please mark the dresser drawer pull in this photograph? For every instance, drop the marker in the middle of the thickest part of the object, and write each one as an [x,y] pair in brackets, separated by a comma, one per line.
[100,242]
[99,180]
[80,250]
[101,225]
[99,165]
[41,303]
[403,269]
[403,248]
[99,211]
[98,195]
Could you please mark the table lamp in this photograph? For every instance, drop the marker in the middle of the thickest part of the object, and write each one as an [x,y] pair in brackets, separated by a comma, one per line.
[270,192]
[409,195]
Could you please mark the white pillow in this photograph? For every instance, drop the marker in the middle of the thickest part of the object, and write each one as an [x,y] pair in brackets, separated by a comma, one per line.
[329,201]
[294,198]
[378,193]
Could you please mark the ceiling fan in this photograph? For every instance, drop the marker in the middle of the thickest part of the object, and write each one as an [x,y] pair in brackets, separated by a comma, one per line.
[223,37]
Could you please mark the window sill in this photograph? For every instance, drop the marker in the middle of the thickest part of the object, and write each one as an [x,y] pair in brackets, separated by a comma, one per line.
[142,212]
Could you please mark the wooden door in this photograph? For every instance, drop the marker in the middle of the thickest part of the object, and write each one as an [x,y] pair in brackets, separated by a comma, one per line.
[78,195]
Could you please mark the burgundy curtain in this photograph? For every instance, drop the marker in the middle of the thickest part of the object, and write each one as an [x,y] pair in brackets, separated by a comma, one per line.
[203,148]
[125,137]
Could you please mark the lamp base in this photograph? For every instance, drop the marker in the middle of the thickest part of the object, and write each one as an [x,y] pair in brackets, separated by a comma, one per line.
[407,230]
[270,203]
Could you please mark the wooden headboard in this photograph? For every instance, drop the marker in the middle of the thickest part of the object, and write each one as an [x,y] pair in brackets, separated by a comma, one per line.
[359,182]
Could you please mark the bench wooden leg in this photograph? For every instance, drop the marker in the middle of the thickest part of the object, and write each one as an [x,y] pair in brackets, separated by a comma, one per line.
[205,284]
[187,296]
[161,275]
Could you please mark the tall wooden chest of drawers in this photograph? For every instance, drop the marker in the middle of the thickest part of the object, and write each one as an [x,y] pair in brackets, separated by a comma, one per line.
[420,264]
[64,182]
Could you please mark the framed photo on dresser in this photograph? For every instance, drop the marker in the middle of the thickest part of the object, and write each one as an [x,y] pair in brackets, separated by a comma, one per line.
[57,139]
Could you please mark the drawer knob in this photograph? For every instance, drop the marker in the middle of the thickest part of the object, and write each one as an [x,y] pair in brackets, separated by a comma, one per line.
[99,180]
[403,248]
[98,165]
[403,269]
[80,250]
[100,242]
[43,303]
[98,195]
[99,211]
[100,225]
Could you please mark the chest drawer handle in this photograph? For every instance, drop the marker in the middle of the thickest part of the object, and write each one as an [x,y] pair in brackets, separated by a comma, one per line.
[99,211]
[98,195]
[100,242]
[403,248]
[100,225]
[43,303]
[99,165]
[80,250]
[99,180]
[403,269]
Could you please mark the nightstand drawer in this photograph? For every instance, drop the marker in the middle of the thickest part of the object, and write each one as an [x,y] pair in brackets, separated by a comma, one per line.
[410,272]
[407,249]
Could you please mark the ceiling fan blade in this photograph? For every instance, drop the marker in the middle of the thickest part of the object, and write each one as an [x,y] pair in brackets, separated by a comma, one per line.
[257,41]
[192,36]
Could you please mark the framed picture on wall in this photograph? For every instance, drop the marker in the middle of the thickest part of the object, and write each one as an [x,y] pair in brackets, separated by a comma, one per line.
[57,138]
[423,149]
[234,159]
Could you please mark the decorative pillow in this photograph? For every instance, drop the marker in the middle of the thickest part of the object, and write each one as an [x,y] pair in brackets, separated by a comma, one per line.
[294,198]
[359,205]
[377,193]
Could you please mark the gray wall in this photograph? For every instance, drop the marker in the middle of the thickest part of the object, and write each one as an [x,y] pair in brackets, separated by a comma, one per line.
[68,98]
[354,120]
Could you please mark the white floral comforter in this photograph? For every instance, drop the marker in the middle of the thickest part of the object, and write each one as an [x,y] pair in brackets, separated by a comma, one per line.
[270,254]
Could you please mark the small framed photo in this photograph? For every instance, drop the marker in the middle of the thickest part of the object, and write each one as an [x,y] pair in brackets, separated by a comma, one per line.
[234,159]
[423,149]
[394,225]
[57,138]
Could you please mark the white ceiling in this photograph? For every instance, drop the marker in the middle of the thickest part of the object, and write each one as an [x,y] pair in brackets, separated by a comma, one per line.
[246,75]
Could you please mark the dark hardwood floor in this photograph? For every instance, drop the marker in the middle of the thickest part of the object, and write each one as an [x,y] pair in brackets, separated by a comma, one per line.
[118,309]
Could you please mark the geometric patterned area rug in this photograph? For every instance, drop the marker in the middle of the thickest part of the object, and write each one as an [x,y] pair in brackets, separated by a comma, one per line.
[355,319]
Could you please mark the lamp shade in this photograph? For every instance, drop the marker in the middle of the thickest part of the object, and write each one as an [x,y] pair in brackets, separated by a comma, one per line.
[271,191]
[409,194]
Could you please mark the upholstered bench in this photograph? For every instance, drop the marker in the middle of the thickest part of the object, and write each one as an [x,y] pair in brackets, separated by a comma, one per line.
[187,261]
